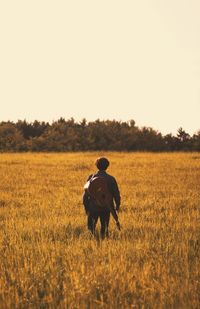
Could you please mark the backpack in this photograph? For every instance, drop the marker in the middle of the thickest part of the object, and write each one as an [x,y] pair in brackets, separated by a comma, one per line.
[98,190]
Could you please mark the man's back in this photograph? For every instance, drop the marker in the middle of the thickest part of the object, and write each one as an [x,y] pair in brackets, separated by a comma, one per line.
[112,186]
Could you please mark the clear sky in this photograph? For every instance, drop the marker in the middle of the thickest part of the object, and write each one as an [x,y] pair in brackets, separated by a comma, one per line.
[101,59]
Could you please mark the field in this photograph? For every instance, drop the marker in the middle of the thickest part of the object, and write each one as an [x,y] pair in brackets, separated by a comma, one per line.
[48,259]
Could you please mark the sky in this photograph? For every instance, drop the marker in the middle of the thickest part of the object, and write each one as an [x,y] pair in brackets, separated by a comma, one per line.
[101,59]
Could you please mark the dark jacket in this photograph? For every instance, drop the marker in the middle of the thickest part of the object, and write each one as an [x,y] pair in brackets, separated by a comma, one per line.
[113,188]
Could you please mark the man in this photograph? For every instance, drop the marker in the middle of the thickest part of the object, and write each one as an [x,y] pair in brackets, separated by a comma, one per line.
[92,209]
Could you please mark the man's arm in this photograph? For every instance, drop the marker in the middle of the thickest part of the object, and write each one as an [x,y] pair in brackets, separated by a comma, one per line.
[86,201]
[116,194]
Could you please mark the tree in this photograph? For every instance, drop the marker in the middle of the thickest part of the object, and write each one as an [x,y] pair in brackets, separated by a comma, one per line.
[69,135]
[184,139]
[10,138]
[196,141]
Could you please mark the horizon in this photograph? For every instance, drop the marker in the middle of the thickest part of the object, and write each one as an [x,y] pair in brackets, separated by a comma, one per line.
[88,121]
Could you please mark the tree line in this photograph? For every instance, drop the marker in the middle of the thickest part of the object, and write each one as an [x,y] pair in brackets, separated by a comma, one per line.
[69,135]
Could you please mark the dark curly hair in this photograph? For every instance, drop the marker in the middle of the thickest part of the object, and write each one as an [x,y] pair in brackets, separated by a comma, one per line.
[102,163]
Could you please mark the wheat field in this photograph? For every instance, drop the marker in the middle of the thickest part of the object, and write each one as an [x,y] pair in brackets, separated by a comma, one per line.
[48,259]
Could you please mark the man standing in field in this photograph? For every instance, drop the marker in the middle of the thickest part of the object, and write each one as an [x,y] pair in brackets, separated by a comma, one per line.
[101,191]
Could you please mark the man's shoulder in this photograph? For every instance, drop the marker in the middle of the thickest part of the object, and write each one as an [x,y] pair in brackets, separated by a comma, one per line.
[106,175]
[90,176]
[112,178]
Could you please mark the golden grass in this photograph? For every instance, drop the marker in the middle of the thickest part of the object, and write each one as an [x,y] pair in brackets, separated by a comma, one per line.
[49,260]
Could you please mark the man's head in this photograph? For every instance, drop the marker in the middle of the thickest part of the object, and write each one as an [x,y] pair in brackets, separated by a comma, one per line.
[102,163]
